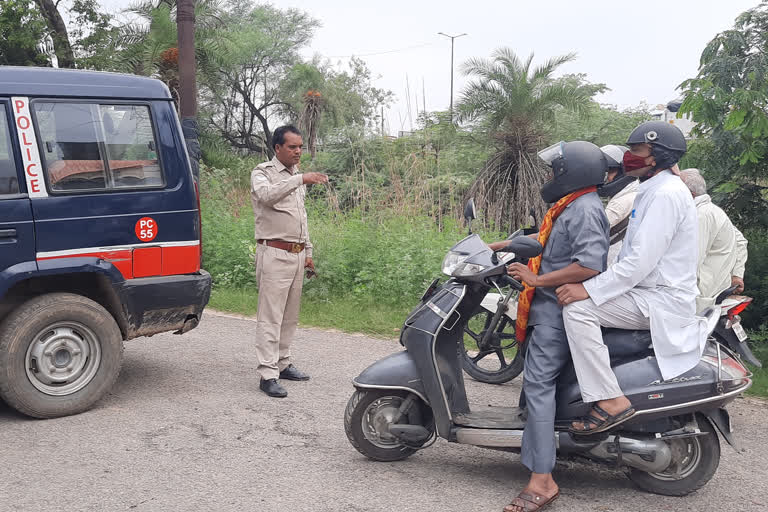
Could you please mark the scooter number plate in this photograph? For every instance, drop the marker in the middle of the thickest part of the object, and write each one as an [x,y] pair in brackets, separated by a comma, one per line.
[739,331]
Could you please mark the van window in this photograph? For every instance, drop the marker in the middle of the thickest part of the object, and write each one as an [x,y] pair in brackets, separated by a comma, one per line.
[9,181]
[87,146]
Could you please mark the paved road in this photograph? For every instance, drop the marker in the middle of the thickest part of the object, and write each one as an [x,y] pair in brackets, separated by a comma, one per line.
[186,428]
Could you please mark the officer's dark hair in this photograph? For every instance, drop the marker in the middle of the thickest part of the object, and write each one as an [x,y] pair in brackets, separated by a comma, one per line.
[278,137]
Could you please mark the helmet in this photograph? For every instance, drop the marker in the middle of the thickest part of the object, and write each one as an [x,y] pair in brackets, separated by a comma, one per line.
[575,165]
[667,142]
[614,155]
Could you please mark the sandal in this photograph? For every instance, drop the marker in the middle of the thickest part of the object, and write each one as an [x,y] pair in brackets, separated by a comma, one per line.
[602,423]
[528,501]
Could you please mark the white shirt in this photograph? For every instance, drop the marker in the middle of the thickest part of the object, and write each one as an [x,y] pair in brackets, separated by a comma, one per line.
[657,268]
[722,251]
[617,209]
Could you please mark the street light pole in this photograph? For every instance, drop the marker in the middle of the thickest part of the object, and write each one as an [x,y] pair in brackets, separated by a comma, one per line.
[451,38]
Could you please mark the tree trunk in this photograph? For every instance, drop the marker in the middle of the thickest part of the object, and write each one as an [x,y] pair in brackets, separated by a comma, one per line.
[185,24]
[64,54]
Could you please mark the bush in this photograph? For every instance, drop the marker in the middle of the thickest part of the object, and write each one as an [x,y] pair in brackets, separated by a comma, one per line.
[756,279]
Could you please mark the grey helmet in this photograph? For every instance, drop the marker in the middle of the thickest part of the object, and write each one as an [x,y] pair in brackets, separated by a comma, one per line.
[575,165]
[666,140]
[614,155]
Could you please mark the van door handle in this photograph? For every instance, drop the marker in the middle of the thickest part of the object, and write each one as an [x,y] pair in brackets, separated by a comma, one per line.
[7,233]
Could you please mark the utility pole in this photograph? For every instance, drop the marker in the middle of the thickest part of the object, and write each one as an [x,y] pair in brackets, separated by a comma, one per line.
[185,26]
[451,38]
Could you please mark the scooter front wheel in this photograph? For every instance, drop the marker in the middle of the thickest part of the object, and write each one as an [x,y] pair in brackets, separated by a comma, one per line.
[369,414]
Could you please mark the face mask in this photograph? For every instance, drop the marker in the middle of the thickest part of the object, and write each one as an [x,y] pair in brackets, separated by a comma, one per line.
[634,162]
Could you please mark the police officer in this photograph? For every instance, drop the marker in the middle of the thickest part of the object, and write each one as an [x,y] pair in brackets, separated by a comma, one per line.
[574,234]
[283,252]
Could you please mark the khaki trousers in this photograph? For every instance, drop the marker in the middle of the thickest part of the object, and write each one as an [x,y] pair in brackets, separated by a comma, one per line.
[280,277]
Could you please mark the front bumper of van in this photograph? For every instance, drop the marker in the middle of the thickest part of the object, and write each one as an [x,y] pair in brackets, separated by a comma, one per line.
[152,305]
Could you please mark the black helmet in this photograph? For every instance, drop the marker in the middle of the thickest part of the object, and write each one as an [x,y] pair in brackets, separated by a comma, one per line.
[666,140]
[575,165]
[614,155]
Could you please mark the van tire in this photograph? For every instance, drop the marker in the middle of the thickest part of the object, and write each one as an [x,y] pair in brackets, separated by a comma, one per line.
[52,337]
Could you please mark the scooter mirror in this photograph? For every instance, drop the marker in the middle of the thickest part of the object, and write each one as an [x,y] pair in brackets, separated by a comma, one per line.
[469,211]
[524,247]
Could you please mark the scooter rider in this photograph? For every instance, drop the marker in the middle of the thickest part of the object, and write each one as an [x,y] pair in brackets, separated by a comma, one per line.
[653,284]
[574,234]
[621,190]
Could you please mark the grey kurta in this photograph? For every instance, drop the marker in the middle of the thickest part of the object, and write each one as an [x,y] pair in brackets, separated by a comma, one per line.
[579,235]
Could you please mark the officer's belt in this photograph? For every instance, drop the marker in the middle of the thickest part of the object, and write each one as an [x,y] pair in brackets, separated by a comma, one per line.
[286,246]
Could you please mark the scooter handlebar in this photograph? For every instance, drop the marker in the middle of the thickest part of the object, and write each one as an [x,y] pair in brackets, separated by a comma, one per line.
[506,280]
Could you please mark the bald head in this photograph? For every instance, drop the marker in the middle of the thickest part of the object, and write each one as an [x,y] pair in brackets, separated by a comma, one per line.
[694,181]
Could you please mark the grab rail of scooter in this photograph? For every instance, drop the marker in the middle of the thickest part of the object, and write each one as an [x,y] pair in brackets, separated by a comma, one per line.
[725,294]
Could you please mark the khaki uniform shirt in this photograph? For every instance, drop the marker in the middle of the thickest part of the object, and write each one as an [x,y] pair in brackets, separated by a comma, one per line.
[277,196]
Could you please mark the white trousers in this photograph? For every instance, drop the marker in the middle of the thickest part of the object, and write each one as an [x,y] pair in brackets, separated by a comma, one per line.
[583,320]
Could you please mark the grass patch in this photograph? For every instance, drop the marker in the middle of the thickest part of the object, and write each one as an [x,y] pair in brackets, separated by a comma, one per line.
[759,346]
[345,314]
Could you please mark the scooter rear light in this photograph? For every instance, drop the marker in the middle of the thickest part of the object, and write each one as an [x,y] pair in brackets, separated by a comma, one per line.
[738,308]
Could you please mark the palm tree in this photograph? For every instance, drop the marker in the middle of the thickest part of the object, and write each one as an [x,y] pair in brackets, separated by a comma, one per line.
[149,45]
[515,104]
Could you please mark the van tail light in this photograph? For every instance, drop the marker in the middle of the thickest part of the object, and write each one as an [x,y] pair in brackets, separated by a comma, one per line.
[738,308]
[199,223]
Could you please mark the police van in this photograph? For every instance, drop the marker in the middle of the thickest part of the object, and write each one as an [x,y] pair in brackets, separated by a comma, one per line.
[99,232]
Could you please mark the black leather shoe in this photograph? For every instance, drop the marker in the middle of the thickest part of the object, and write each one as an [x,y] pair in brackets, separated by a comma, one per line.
[273,388]
[291,373]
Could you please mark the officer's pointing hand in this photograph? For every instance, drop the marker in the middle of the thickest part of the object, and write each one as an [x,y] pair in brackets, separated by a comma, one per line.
[312,178]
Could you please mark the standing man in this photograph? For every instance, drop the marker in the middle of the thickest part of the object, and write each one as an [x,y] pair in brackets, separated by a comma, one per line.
[652,285]
[621,191]
[282,253]
[722,247]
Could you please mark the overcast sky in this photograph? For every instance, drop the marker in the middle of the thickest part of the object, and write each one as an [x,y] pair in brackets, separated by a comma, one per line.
[641,50]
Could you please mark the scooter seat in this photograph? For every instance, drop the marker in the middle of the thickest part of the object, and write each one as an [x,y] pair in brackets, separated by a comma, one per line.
[627,345]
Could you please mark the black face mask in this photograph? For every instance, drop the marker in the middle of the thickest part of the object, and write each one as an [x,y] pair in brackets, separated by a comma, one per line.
[615,186]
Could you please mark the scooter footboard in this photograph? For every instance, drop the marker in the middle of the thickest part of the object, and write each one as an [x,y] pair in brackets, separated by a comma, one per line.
[397,371]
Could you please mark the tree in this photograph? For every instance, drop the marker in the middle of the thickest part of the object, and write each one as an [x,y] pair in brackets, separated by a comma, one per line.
[22,47]
[65,57]
[516,105]
[729,101]
[348,96]
[246,81]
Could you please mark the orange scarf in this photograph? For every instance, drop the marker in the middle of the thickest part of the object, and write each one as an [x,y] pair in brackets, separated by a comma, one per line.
[526,296]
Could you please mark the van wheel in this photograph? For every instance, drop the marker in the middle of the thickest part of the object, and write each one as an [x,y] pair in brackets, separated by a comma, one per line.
[694,463]
[59,354]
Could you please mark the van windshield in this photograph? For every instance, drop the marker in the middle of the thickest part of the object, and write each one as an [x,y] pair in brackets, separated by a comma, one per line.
[88,146]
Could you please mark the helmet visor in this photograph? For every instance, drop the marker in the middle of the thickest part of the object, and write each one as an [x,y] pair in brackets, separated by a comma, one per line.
[554,151]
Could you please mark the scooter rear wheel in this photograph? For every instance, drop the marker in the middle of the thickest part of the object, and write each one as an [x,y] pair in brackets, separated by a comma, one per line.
[368,416]
[695,463]
[500,361]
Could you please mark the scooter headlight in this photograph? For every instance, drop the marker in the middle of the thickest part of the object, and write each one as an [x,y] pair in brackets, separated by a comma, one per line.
[452,261]
[467,269]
